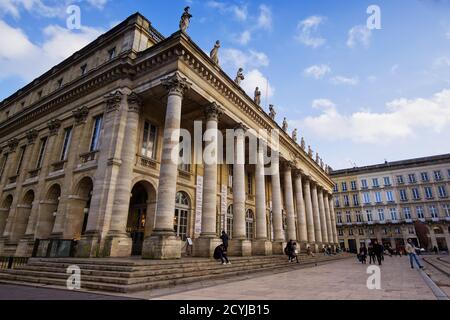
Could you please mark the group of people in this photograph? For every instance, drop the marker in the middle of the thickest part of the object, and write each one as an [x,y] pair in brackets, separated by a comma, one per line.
[376,251]
[220,253]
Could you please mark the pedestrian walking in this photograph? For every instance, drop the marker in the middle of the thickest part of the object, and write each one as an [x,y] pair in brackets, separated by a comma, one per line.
[309,251]
[221,253]
[378,251]
[224,238]
[411,251]
[371,253]
[436,250]
[363,254]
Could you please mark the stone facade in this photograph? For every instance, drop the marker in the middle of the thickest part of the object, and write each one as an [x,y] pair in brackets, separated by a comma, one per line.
[394,201]
[85,155]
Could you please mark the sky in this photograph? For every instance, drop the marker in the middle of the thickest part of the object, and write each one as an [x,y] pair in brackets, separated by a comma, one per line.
[358,95]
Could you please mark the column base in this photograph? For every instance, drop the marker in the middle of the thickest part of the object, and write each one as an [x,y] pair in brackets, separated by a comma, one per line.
[278,247]
[25,246]
[262,248]
[161,247]
[204,247]
[117,245]
[88,246]
[240,248]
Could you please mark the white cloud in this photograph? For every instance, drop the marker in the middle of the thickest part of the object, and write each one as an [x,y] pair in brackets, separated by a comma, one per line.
[394,69]
[22,58]
[359,35]
[240,59]
[239,12]
[99,4]
[345,80]
[403,119]
[372,78]
[244,38]
[254,79]
[265,17]
[317,71]
[442,62]
[37,7]
[305,29]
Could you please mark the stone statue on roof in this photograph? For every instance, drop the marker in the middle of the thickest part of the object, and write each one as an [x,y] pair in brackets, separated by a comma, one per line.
[185,19]
[215,53]
[239,76]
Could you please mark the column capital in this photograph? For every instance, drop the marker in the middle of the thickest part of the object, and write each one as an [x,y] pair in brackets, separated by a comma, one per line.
[12,144]
[31,136]
[176,84]
[287,165]
[113,101]
[298,173]
[53,126]
[240,128]
[80,115]
[213,111]
[134,102]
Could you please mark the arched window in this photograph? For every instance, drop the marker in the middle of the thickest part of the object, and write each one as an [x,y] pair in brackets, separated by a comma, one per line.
[249,224]
[182,208]
[230,221]
[438,230]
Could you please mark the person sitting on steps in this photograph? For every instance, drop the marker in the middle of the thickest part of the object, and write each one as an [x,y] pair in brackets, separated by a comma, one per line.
[221,253]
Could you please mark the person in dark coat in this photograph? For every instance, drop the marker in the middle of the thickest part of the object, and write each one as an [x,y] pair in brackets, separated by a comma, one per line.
[378,251]
[221,253]
[224,238]
[363,254]
[371,253]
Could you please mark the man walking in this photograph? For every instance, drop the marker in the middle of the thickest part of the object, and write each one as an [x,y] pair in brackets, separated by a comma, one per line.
[378,251]
[410,249]
[224,238]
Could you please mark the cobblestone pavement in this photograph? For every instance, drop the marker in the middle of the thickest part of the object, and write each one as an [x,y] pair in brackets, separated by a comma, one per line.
[340,280]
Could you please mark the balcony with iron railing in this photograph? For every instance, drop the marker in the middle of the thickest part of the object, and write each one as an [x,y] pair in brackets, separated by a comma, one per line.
[146,162]
[88,156]
[58,166]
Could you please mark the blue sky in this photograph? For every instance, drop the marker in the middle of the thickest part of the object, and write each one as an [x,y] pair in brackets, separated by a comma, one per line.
[357,95]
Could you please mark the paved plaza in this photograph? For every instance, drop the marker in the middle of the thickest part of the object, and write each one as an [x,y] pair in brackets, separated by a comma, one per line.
[340,280]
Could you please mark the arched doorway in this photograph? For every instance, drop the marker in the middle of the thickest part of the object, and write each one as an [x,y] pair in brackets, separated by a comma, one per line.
[78,209]
[182,208]
[230,221]
[4,213]
[249,224]
[47,212]
[137,217]
[23,215]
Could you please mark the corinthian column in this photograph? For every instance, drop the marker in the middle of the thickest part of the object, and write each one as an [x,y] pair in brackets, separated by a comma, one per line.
[289,202]
[333,220]
[328,217]
[302,233]
[309,213]
[261,246]
[277,217]
[208,241]
[163,243]
[316,215]
[239,245]
[323,219]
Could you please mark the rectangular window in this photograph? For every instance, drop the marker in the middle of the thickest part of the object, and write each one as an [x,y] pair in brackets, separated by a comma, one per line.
[66,143]
[149,141]
[112,53]
[397,230]
[335,189]
[350,232]
[3,164]
[378,197]
[390,196]
[344,186]
[340,232]
[249,183]
[339,217]
[96,133]
[230,176]
[59,83]
[41,152]
[381,214]
[366,196]
[336,202]
[361,232]
[359,217]
[364,184]
[83,69]
[349,217]
[407,212]
[393,212]
[434,211]
[442,191]
[21,155]
[412,178]
[184,162]
[403,196]
[437,175]
[387,181]
[385,231]
[355,200]
[415,193]
[375,183]
[428,192]
[346,201]
[419,212]
[424,176]
[369,215]
[446,208]
[353,185]
[400,180]
[411,230]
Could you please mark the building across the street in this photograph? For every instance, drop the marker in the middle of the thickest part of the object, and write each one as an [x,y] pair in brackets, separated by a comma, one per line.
[394,201]
[86,169]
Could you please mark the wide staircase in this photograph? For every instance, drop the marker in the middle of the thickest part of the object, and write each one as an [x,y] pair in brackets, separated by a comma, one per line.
[131,275]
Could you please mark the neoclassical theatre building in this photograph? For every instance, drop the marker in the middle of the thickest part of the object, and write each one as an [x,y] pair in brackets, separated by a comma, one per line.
[85,156]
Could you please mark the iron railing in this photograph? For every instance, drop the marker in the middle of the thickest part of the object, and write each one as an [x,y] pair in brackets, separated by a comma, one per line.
[12,262]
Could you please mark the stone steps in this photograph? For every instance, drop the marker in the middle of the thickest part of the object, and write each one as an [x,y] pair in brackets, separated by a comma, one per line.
[129,276]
